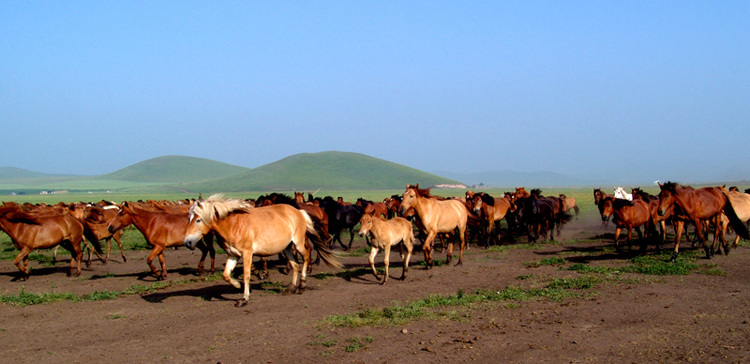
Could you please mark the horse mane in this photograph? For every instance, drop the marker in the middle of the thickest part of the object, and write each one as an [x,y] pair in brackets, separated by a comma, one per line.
[670,186]
[536,192]
[421,192]
[397,197]
[621,202]
[218,207]
[13,213]
[280,198]
[486,199]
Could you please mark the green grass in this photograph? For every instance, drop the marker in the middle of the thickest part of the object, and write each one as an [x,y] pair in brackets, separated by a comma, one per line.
[24,298]
[547,261]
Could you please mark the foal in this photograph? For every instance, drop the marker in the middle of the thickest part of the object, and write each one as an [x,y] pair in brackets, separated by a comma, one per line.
[383,235]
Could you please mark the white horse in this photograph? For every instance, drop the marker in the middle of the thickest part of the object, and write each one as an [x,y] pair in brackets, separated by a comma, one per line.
[620,193]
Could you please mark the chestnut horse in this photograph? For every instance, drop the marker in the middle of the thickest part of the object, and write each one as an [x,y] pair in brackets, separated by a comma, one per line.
[95,220]
[29,232]
[630,215]
[383,235]
[262,231]
[599,197]
[160,229]
[696,205]
[437,216]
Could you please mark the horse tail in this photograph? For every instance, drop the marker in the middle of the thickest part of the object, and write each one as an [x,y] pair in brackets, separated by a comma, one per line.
[315,233]
[737,224]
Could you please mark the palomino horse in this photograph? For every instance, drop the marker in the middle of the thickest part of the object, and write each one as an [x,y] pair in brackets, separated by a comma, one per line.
[569,203]
[438,216]
[262,231]
[630,215]
[620,193]
[383,235]
[696,205]
[741,204]
[29,232]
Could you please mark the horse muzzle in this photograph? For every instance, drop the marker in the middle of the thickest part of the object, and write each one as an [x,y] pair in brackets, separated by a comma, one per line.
[190,242]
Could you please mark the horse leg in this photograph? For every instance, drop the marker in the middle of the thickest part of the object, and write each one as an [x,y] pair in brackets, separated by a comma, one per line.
[386,261]
[118,239]
[462,246]
[228,268]
[204,253]
[247,267]
[679,226]
[618,230]
[351,238]
[306,258]
[76,256]
[371,258]
[23,257]
[54,255]
[409,248]
[163,266]
[149,260]
[427,248]
[292,259]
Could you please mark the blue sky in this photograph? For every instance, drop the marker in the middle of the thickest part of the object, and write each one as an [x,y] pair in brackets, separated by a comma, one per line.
[623,90]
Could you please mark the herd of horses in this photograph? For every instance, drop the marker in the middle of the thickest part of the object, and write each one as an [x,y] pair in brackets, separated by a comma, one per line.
[679,205]
[294,227]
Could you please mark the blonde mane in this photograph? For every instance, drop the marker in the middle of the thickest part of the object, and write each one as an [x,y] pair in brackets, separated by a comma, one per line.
[217,207]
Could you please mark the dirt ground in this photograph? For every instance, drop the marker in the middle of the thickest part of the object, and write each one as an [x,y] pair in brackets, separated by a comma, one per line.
[698,318]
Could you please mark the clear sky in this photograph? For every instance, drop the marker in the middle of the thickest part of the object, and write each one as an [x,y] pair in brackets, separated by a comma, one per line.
[591,89]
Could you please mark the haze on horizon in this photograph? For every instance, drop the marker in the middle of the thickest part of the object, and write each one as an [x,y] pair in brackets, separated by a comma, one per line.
[596,90]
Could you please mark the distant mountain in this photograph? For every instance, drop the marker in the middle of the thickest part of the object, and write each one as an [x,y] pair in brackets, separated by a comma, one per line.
[507,179]
[175,169]
[13,173]
[327,170]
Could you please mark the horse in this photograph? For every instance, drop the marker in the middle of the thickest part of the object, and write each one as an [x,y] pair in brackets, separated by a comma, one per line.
[569,203]
[28,232]
[392,204]
[539,215]
[521,192]
[620,193]
[383,235]
[599,197]
[696,205]
[490,209]
[341,217]
[95,220]
[160,229]
[630,215]
[741,204]
[376,209]
[263,231]
[437,216]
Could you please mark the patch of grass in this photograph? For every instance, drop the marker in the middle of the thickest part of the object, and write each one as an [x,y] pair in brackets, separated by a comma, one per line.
[547,261]
[359,252]
[353,345]
[658,265]
[430,306]
[583,282]
[25,298]
[322,275]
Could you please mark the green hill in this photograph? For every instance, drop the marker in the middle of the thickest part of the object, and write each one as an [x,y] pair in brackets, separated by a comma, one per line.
[14,174]
[327,170]
[175,169]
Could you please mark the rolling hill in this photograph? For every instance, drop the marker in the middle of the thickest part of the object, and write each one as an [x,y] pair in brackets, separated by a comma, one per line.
[327,170]
[174,169]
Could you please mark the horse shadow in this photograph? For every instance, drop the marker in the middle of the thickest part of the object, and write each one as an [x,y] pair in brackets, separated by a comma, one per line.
[214,292]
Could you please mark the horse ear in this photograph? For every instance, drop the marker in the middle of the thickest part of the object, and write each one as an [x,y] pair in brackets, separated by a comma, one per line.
[417,186]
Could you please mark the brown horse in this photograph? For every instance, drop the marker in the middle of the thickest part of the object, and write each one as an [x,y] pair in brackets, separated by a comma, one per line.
[630,215]
[160,229]
[95,220]
[262,231]
[392,203]
[697,205]
[383,235]
[599,198]
[490,209]
[521,192]
[438,216]
[29,232]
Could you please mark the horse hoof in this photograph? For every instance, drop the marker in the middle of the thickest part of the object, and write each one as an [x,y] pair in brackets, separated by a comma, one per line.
[240,303]
[383,282]
[124,260]
[288,291]
[460,263]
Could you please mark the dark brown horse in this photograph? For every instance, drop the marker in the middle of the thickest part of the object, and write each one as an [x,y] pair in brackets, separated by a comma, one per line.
[29,232]
[697,205]
[599,197]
